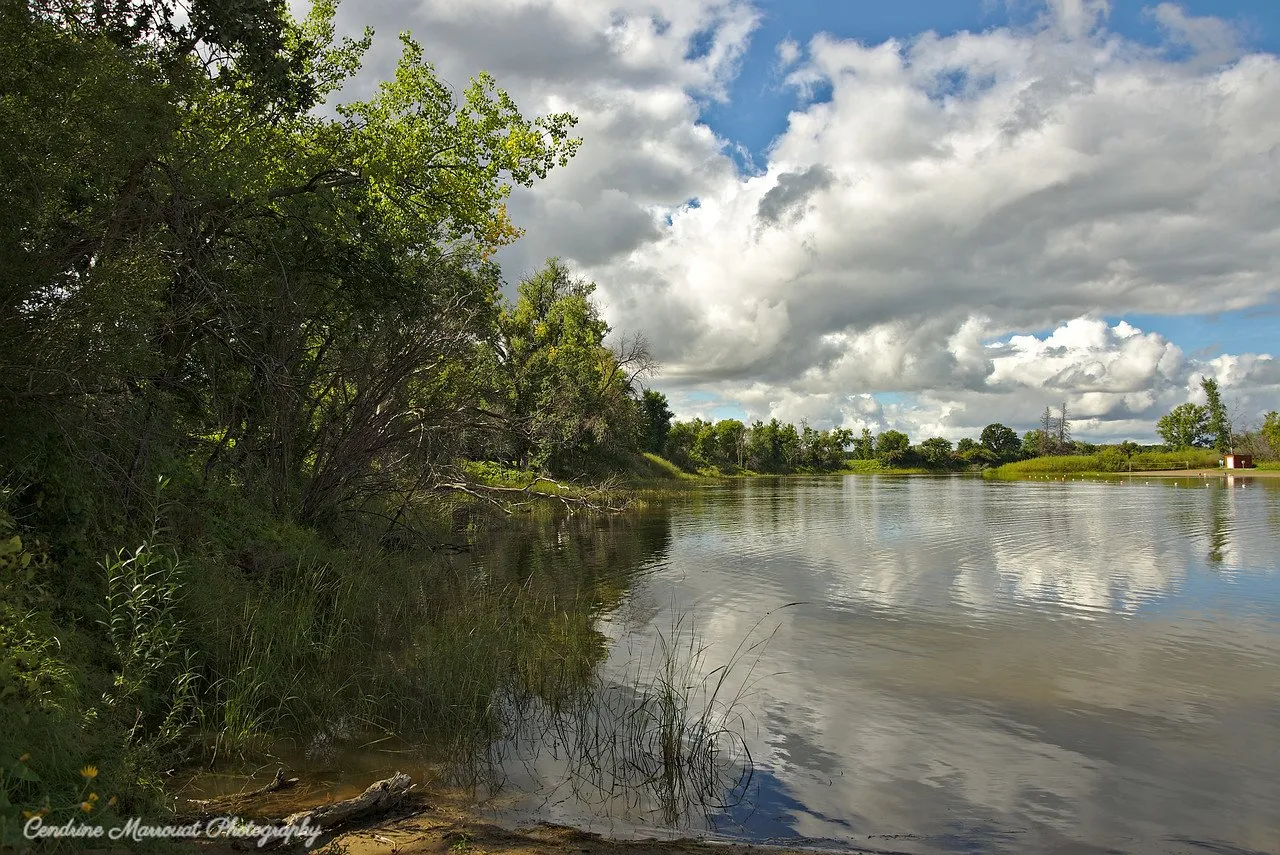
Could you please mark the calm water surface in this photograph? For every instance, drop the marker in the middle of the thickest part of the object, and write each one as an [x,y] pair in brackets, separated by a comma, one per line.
[971,666]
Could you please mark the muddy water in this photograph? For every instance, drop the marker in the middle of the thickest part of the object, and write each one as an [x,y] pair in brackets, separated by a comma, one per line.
[956,665]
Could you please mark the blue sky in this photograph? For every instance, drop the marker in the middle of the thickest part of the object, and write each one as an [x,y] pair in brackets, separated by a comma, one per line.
[758,104]
[759,101]
[1098,224]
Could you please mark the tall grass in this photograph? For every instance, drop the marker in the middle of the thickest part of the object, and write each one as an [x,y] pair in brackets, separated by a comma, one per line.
[659,736]
[229,635]
[1107,460]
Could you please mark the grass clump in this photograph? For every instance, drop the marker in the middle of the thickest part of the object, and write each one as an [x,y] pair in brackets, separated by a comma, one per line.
[659,736]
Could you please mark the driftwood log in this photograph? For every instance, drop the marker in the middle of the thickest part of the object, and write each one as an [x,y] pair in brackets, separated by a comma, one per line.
[239,801]
[380,797]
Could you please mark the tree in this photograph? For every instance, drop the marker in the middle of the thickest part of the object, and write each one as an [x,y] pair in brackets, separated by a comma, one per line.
[730,440]
[1218,423]
[864,445]
[562,393]
[1033,442]
[1186,426]
[892,446]
[1000,440]
[1064,430]
[655,420]
[936,451]
[679,444]
[1271,433]
[198,262]
[1047,434]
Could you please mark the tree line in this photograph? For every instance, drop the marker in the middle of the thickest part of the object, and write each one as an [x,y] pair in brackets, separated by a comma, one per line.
[777,447]
[1209,425]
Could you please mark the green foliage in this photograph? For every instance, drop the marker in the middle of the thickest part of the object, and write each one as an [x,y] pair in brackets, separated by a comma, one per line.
[864,445]
[936,452]
[893,447]
[1217,424]
[1107,459]
[656,418]
[561,394]
[1270,433]
[1001,441]
[773,447]
[1186,426]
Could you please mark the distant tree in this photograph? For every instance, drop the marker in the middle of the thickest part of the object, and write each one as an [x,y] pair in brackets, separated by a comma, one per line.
[1033,443]
[1271,433]
[936,452]
[730,442]
[1186,426]
[892,446]
[656,420]
[1064,430]
[678,447]
[864,446]
[1046,434]
[1218,424]
[1000,440]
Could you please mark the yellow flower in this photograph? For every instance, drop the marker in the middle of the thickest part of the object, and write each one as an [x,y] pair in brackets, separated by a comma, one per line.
[86,807]
[93,797]
[28,814]
[25,757]
[89,772]
[111,802]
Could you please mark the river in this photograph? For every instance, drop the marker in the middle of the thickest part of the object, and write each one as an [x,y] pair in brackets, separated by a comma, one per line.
[956,665]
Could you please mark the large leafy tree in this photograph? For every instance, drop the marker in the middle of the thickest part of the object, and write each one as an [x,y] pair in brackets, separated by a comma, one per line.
[1000,440]
[560,393]
[1185,426]
[196,260]
[656,418]
[892,446]
[936,451]
[1218,423]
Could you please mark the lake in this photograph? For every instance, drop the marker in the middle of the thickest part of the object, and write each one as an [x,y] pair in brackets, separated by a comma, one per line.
[951,665]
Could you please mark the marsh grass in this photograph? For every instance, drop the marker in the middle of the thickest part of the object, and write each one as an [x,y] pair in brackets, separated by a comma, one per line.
[228,637]
[660,737]
[1108,461]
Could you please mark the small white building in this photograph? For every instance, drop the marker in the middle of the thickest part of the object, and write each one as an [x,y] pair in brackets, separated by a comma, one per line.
[1238,461]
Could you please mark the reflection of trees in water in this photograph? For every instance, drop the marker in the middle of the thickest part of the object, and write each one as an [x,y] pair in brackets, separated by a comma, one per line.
[516,618]
[660,742]
[1218,525]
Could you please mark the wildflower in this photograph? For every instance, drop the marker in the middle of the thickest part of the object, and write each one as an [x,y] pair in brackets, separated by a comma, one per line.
[87,807]
[29,814]
[89,772]
[93,797]
[111,802]
[25,757]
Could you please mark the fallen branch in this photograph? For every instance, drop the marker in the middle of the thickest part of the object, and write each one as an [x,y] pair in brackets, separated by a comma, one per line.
[380,797]
[594,498]
[238,800]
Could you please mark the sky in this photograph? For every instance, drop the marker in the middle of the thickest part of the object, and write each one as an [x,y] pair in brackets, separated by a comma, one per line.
[926,215]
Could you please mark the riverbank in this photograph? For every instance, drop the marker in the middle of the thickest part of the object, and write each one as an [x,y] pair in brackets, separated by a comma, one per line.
[439,821]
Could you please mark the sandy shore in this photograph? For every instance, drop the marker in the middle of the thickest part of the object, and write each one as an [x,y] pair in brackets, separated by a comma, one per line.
[447,824]
[1207,473]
